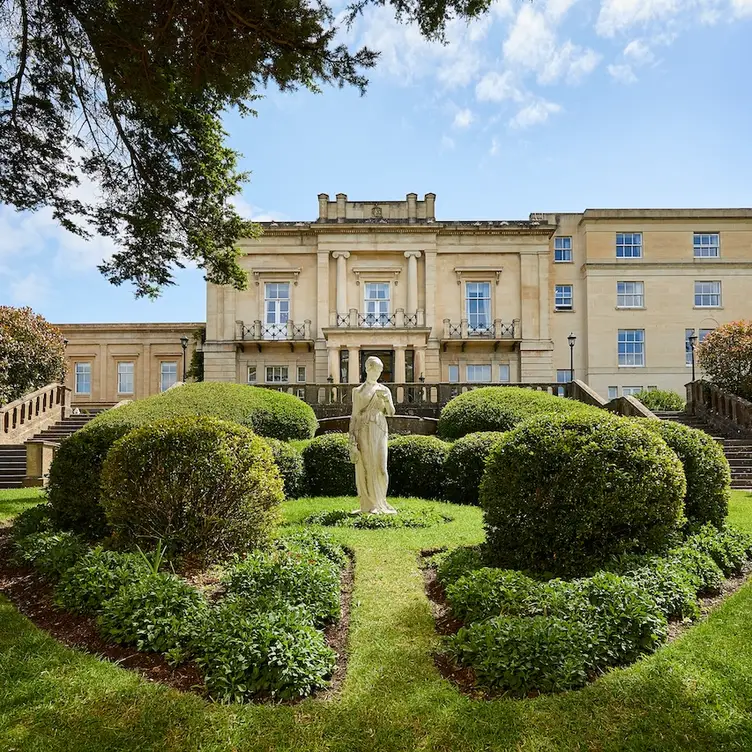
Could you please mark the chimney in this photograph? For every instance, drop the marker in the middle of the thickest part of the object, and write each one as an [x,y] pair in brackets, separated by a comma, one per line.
[412,208]
[323,207]
[431,206]
[341,207]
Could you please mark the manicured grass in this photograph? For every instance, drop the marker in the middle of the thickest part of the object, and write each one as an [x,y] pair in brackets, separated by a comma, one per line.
[16,500]
[693,694]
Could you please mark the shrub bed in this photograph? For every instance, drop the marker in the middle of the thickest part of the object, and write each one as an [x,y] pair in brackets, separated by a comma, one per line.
[416,466]
[564,494]
[465,464]
[658,399]
[406,518]
[328,469]
[451,565]
[289,461]
[50,552]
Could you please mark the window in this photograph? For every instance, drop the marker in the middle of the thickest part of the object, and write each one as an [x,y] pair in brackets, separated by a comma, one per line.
[377,303]
[83,378]
[478,306]
[652,388]
[168,374]
[410,366]
[277,310]
[479,373]
[344,366]
[562,250]
[613,392]
[563,376]
[630,294]
[631,347]
[707,294]
[454,374]
[276,374]
[628,245]
[504,377]
[301,374]
[251,374]
[706,245]
[125,378]
[631,391]
[563,299]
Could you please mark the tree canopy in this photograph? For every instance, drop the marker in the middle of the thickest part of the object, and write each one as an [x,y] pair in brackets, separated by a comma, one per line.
[129,94]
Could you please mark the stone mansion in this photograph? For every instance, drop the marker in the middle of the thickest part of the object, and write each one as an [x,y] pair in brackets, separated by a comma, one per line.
[440,300]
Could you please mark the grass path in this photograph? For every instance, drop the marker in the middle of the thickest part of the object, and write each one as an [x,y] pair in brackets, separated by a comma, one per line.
[695,694]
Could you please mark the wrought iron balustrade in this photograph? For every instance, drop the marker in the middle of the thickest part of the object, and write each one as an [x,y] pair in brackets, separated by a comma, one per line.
[399,319]
[290,331]
[493,330]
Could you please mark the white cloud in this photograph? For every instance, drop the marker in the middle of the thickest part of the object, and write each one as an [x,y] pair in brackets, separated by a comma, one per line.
[741,8]
[463,118]
[617,15]
[497,87]
[495,147]
[557,9]
[622,73]
[639,52]
[447,143]
[534,113]
[30,290]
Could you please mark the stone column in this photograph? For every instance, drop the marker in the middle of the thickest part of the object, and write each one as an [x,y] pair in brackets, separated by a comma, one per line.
[420,362]
[334,364]
[412,281]
[354,364]
[341,257]
[399,364]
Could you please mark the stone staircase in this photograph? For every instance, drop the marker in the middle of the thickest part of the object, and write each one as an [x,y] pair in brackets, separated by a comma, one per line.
[738,451]
[13,456]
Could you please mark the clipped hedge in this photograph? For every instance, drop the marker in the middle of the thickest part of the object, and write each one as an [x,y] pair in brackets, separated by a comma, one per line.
[659,399]
[416,466]
[289,461]
[75,474]
[705,468]
[207,488]
[496,408]
[328,469]
[465,465]
[566,493]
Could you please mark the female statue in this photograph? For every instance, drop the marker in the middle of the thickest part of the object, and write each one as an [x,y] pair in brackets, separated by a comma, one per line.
[368,440]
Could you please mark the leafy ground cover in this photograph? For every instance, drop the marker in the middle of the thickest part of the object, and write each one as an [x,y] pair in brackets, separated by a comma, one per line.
[694,694]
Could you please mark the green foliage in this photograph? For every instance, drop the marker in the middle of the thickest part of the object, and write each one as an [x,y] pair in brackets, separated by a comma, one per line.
[315,540]
[195,370]
[491,592]
[416,466]
[727,548]
[457,562]
[566,493]
[38,519]
[412,518]
[297,576]
[158,613]
[207,488]
[465,464]
[497,408]
[726,357]
[660,399]
[328,469]
[705,468]
[290,463]
[704,574]
[50,553]
[32,351]
[246,655]
[96,578]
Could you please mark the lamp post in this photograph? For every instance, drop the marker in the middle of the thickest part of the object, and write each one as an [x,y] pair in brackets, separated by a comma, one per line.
[571,339]
[184,345]
[692,344]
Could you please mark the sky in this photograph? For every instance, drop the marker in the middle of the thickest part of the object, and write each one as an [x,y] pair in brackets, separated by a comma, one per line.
[549,106]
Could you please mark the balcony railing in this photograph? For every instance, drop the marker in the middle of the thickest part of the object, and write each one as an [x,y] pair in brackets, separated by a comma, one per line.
[496,329]
[354,319]
[259,331]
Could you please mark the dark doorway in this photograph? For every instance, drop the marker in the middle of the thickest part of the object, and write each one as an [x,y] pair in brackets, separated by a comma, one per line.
[385,356]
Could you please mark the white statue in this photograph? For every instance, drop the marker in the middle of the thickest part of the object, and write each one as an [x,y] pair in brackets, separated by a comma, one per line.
[372,402]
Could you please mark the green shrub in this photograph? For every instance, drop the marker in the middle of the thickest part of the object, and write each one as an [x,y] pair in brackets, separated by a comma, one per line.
[704,574]
[727,549]
[37,519]
[328,469]
[525,654]
[316,540]
[451,565]
[705,468]
[416,466]
[158,613]
[659,399]
[96,577]
[245,655]
[50,553]
[289,461]
[491,592]
[497,408]
[465,464]
[406,518]
[207,488]
[75,472]
[297,577]
[565,494]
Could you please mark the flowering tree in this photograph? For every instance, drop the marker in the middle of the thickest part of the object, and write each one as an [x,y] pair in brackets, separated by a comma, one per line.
[726,356]
[32,353]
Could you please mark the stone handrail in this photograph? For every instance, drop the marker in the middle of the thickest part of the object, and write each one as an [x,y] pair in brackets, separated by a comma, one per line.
[580,391]
[21,419]
[721,409]
[629,406]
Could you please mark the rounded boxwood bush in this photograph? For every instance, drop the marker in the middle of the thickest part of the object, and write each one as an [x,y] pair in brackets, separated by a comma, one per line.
[564,494]
[499,408]
[416,466]
[328,469]
[289,461]
[207,488]
[75,474]
[465,465]
[659,399]
[705,467]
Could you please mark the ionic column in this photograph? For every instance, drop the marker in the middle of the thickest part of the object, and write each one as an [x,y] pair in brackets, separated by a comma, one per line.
[412,281]
[341,257]
[399,364]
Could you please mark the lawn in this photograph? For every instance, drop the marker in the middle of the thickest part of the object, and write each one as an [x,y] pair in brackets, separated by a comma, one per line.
[695,694]
[13,501]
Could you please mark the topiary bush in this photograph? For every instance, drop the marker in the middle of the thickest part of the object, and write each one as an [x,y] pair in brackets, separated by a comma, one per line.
[705,468]
[416,466]
[290,463]
[566,493]
[328,469]
[207,488]
[465,464]
[659,399]
[497,408]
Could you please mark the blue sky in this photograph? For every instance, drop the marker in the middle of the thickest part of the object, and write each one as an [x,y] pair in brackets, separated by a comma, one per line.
[558,105]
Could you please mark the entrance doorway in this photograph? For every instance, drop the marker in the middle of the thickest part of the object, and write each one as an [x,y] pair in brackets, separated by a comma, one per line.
[385,356]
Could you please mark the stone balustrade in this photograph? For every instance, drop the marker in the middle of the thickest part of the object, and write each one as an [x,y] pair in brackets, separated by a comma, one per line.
[27,416]
[724,411]
[496,329]
[260,331]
